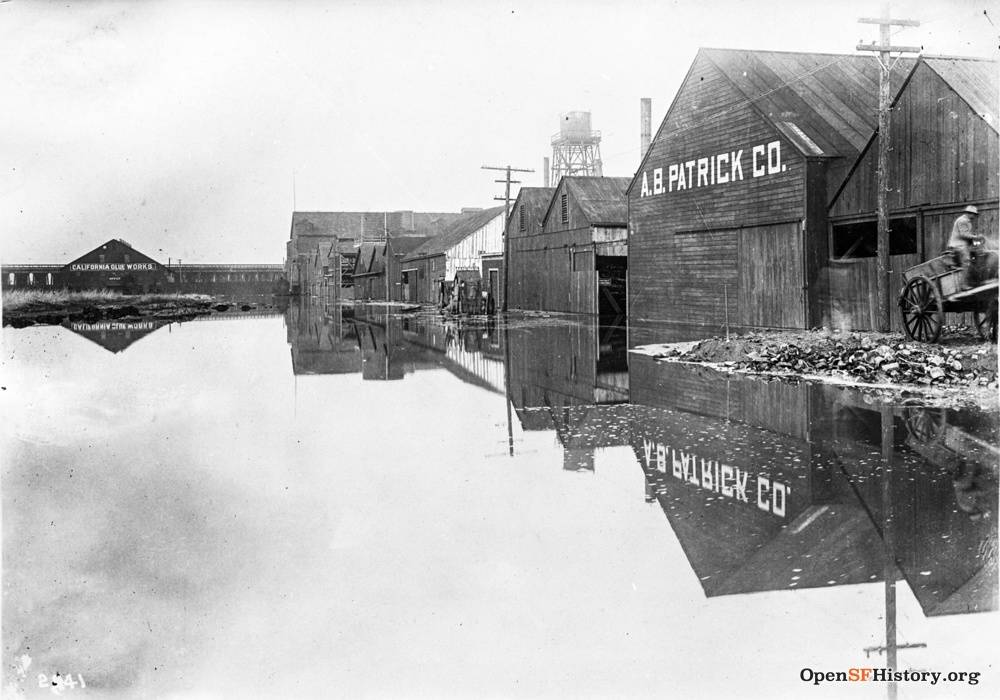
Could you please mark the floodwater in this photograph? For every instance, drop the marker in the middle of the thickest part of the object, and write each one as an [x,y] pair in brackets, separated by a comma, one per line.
[309,505]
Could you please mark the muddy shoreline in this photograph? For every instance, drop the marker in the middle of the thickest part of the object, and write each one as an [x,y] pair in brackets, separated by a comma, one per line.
[124,309]
[960,370]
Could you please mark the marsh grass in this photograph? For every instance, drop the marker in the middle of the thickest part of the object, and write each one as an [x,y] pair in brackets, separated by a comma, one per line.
[22,299]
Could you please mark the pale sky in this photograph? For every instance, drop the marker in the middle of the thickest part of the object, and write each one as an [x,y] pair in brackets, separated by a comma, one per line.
[178,125]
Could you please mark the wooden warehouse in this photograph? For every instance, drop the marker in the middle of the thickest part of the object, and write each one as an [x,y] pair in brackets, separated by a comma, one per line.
[570,253]
[461,247]
[944,155]
[728,210]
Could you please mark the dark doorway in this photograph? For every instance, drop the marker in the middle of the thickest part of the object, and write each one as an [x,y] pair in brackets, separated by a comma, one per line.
[611,287]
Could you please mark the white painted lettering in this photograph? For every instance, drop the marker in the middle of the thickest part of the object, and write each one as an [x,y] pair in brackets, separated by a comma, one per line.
[758,170]
[774,157]
[702,172]
[723,176]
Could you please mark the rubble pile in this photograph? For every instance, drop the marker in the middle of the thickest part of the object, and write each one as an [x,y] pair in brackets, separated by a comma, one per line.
[898,363]
[882,359]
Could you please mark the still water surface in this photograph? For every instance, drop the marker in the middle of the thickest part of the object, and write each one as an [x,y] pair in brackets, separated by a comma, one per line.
[308,505]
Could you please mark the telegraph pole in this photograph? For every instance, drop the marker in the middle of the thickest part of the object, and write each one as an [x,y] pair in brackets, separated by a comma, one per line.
[506,215]
[884,50]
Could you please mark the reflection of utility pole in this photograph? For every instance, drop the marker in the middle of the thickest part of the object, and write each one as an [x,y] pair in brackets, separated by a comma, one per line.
[884,49]
[506,215]
[889,570]
[506,380]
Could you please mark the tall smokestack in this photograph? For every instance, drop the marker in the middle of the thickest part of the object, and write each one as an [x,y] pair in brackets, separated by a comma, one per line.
[545,169]
[645,124]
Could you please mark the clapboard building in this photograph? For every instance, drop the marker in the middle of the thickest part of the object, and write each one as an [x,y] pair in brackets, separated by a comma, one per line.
[570,254]
[346,231]
[460,248]
[728,210]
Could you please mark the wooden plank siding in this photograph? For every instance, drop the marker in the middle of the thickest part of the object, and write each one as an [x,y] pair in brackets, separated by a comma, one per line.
[943,156]
[771,290]
[685,251]
[941,151]
[541,271]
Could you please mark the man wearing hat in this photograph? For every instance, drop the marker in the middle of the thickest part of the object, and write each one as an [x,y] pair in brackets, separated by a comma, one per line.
[963,238]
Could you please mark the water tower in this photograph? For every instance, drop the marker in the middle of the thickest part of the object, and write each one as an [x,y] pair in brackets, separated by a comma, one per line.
[576,149]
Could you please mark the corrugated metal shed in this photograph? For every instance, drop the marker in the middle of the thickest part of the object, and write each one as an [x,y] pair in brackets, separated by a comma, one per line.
[825,104]
[602,199]
[456,232]
[975,81]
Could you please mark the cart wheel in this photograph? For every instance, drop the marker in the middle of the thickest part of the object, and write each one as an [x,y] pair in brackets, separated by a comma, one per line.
[923,313]
[986,322]
[925,424]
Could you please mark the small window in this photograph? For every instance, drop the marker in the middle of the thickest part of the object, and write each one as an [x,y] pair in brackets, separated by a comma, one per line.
[563,209]
[860,239]
[100,259]
[523,223]
[127,258]
[12,279]
[48,278]
[31,278]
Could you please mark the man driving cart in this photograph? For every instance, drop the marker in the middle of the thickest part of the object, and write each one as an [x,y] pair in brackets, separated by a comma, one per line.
[969,251]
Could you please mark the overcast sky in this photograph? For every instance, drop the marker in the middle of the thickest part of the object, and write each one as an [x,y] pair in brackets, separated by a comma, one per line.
[178,126]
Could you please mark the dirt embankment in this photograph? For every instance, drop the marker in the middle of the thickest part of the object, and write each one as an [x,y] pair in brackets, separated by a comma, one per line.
[67,308]
[962,360]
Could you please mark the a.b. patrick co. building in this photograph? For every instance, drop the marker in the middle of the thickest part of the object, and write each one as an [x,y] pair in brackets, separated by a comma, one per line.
[755,203]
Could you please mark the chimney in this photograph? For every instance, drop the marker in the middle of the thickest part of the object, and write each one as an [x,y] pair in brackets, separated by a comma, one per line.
[645,124]
[545,171]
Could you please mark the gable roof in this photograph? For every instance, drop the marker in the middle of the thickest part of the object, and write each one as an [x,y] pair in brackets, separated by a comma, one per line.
[975,81]
[402,246]
[602,199]
[456,232]
[534,199]
[115,243]
[824,104]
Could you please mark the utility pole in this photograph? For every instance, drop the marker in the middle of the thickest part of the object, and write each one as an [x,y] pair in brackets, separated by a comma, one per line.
[884,50]
[506,215]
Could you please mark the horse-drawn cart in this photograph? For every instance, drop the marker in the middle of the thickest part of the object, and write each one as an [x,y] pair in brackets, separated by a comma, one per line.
[934,288]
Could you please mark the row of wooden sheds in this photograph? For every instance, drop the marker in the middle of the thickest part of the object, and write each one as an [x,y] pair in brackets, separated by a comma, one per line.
[755,204]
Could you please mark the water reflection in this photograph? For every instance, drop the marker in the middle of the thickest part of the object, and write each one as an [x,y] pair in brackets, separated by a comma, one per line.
[461,480]
[767,485]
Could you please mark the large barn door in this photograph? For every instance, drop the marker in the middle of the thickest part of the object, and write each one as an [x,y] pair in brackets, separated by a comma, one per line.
[770,277]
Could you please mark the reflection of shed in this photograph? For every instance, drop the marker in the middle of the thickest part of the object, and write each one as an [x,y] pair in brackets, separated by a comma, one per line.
[576,260]
[821,446]
[942,503]
[321,343]
[115,336]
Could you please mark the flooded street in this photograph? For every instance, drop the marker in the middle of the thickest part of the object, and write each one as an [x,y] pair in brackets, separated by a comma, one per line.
[309,504]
